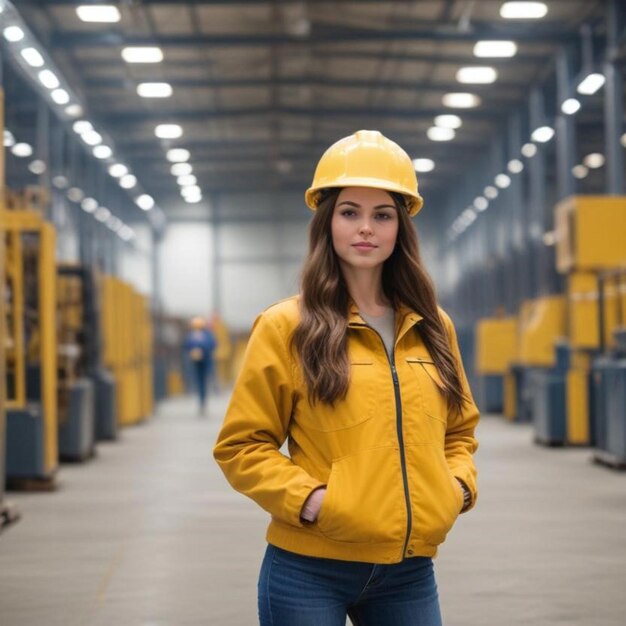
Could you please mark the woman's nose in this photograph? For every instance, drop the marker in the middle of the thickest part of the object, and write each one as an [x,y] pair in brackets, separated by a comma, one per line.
[365,227]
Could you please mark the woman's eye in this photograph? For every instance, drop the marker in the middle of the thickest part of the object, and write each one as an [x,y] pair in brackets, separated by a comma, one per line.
[347,212]
[383,216]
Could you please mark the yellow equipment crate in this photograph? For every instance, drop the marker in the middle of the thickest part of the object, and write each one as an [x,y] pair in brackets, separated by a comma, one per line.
[542,322]
[496,345]
[590,233]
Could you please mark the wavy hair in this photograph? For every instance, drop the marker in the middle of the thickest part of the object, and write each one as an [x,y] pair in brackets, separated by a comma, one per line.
[321,338]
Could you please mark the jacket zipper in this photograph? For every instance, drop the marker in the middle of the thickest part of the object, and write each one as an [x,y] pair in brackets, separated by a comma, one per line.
[405,478]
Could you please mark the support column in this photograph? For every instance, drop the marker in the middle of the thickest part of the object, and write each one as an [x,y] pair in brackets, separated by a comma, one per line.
[613,103]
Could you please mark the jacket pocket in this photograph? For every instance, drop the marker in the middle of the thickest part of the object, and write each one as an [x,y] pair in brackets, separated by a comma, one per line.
[358,406]
[433,400]
[364,501]
[441,498]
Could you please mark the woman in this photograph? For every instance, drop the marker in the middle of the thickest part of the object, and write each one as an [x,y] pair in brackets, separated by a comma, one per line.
[362,375]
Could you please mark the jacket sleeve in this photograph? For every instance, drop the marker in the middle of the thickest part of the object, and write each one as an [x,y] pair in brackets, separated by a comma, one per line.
[461,443]
[256,425]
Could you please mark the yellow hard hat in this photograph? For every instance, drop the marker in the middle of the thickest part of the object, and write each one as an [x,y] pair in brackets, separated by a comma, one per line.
[366,159]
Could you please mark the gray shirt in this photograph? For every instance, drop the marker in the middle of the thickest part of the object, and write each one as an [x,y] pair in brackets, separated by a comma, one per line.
[384,325]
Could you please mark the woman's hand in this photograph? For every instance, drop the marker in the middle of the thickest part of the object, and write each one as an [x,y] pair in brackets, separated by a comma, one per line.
[312,505]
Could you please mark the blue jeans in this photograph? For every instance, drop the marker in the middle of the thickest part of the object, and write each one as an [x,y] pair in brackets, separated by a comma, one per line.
[296,590]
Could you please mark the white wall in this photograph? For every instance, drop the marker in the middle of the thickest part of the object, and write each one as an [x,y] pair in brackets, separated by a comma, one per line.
[246,258]
[135,263]
[185,259]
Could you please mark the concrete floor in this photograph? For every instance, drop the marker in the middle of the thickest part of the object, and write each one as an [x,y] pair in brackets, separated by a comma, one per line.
[150,534]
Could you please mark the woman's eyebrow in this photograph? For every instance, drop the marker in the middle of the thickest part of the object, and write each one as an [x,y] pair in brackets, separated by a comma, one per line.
[357,205]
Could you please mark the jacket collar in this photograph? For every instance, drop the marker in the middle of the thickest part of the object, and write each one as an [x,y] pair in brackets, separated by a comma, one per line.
[406,318]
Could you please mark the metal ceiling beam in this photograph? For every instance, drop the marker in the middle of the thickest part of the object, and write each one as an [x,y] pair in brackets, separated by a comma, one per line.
[319,34]
[121,119]
[303,81]
[326,53]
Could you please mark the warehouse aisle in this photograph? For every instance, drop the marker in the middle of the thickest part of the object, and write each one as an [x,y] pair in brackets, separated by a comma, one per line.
[149,534]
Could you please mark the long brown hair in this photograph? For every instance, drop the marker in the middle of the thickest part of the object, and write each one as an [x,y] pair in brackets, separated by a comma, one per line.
[321,337]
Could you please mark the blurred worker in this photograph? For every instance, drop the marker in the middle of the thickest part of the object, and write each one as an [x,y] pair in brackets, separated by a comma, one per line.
[362,374]
[199,346]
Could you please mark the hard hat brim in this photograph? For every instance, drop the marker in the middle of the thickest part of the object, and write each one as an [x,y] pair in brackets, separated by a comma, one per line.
[414,202]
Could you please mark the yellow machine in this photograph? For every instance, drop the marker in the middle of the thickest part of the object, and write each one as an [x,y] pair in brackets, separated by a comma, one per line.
[496,349]
[127,332]
[590,233]
[224,351]
[31,350]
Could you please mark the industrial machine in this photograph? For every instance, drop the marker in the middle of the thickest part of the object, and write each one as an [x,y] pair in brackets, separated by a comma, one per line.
[496,350]
[589,240]
[87,409]
[127,335]
[31,350]
[608,388]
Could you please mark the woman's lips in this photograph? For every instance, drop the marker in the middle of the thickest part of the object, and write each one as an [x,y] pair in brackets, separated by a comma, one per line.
[363,246]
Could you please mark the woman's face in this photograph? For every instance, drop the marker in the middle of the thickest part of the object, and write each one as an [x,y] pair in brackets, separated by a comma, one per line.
[364,227]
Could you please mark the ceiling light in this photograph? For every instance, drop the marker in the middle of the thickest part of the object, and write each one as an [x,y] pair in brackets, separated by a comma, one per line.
[523,10]
[9,139]
[154,90]
[126,233]
[60,96]
[480,203]
[177,155]
[74,110]
[181,169]
[448,121]
[128,181]
[461,100]
[622,140]
[89,205]
[502,181]
[570,106]
[529,150]
[60,182]
[82,126]
[114,223]
[75,194]
[477,75]
[102,152]
[145,202]
[48,79]
[190,191]
[594,160]
[580,171]
[37,167]
[13,34]
[168,131]
[495,49]
[142,54]
[423,165]
[193,199]
[33,57]
[102,214]
[22,150]
[117,170]
[437,133]
[98,13]
[91,138]
[515,166]
[542,134]
[590,84]
[187,181]
[490,192]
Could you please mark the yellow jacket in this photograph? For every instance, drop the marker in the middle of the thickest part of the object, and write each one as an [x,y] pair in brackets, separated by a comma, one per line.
[388,453]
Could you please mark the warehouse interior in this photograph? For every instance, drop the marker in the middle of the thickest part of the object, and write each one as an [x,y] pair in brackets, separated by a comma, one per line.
[156,159]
